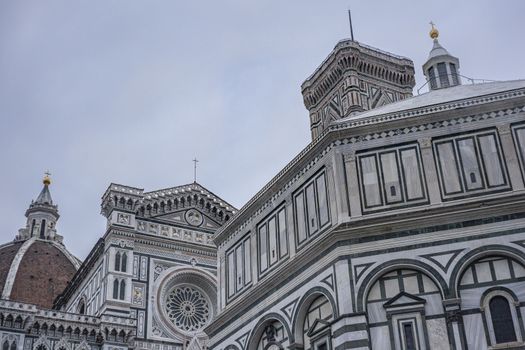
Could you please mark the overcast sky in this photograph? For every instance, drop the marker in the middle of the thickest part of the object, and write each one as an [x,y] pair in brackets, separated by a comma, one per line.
[130,91]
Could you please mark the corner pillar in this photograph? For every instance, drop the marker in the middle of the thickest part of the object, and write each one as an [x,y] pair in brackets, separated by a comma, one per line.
[350,331]
[455,327]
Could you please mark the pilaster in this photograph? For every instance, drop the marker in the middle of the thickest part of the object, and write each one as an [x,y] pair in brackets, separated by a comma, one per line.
[429,167]
[511,157]
[353,185]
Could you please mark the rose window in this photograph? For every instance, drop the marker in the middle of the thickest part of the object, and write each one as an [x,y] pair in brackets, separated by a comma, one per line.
[187,308]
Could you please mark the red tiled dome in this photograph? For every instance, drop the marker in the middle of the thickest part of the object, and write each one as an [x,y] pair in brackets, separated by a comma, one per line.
[35,271]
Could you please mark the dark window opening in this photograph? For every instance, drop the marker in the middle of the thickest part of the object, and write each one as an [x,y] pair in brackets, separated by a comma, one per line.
[43,230]
[408,334]
[473,178]
[392,190]
[117,261]
[82,309]
[502,320]
[124,262]
[115,289]
[122,290]
[322,347]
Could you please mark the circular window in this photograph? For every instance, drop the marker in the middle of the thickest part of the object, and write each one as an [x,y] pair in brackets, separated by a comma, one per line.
[193,217]
[188,308]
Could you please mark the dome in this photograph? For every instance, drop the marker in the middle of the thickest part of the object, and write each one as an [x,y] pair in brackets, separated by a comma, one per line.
[35,271]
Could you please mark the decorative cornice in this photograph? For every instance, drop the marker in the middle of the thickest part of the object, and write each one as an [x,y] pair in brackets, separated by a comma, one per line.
[352,55]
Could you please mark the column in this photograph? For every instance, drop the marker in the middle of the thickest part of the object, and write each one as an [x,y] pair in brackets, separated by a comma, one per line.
[455,327]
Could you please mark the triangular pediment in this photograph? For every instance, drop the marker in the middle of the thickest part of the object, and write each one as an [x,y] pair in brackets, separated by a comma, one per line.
[404,299]
[318,326]
[191,217]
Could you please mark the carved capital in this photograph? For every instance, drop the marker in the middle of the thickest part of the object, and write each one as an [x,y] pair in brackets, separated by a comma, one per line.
[425,142]
[350,157]
[504,129]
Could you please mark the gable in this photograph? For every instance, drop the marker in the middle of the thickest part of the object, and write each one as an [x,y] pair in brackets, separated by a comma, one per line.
[190,217]
[404,299]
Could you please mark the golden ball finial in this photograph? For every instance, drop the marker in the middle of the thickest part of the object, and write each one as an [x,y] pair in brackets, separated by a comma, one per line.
[47,179]
[434,33]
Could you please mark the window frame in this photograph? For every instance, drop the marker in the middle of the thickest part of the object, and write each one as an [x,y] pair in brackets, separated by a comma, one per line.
[404,201]
[464,191]
[487,316]
[519,151]
[301,191]
[241,244]
[265,223]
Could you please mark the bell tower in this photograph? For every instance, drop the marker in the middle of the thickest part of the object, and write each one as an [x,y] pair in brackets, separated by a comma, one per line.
[354,78]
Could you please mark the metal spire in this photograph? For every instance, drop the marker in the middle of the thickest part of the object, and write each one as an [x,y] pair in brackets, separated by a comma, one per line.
[351,28]
[195,161]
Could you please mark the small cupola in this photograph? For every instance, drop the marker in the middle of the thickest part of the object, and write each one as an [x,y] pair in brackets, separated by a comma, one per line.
[441,68]
[42,216]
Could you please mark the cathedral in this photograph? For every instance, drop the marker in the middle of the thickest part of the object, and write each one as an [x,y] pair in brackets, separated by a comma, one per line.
[400,226]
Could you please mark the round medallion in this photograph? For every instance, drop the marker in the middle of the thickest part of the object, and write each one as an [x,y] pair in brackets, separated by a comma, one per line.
[188,308]
[193,217]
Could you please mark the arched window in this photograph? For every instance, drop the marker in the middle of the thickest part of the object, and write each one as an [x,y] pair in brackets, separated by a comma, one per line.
[124,262]
[115,289]
[43,230]
[117,261]
[5,346]
[81,307]
[13,346]
[502,320]
[320,310]
[274,337]
[122,290]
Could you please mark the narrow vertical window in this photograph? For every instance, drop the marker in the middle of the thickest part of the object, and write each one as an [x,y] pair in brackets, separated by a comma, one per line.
[247,262]
[432,78]
[370,181]
[412,174]
[33,227]
[231,274]
[448,165]
[443,76]
[263,247]
[311,210]
[454,74]
[408,335]
[391,177]
[43,230]
[124,262]
[520,140]
[491,160]
[470,165]
[122,295]
[272,240]
[283,236]
[300,218]
[323,200]
[115,289]
[239,267]
[117,261]
[502,320]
